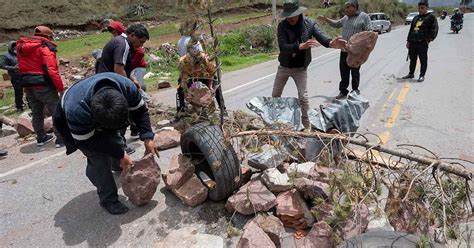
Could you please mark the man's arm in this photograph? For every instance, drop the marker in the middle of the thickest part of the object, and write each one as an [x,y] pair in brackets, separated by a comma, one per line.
[121,53]
[320,35]
[367,24]
[434,29]
[283,42]
[5,65]
[335,23]
[51,66]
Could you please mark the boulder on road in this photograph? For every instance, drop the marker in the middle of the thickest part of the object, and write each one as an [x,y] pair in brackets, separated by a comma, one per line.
[140,182]
[276,181]
[359,47]
[24,126]
[167,139]
[252,197]
[163,84]
[254,237]
[178,173]
[193,192]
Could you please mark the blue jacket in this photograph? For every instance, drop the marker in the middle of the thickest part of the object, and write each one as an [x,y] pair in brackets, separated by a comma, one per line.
[9,61]
[75,122]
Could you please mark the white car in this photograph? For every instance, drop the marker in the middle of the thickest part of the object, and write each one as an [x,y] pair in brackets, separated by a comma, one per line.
[379,22]
[412,15]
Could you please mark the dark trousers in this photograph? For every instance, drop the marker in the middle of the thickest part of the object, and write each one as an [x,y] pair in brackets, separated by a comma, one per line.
[418,50]
[99,172]
[181,103]
[346,73]
[39,99]
[18,92]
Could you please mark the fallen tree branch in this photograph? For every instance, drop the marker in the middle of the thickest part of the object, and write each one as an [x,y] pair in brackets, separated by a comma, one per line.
[427,161]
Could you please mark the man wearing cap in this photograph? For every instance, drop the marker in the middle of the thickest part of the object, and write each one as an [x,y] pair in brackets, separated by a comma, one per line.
[40,77]
[423,30]
[355,21]
[295,40]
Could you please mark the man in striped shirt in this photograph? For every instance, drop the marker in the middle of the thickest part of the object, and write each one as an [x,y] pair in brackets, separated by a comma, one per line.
[353,22]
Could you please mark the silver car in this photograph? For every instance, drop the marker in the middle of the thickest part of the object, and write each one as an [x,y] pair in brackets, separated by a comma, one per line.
[410,17]
[379,22]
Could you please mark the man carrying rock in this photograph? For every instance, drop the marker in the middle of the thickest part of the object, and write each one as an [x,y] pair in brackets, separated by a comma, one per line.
[90,116]
[355,21]
[41,79]
[9,62]
[295,40]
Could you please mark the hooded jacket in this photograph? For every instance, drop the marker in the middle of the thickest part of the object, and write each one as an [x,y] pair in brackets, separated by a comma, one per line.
[424,28]
[38,64]
[9,61]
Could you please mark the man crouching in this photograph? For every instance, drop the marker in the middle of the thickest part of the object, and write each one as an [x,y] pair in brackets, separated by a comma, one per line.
[89,118]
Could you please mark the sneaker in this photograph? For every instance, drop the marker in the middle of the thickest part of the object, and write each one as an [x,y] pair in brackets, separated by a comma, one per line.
[357,92]
[341,96]
[115,208]
[421,79]
[129,150]
[409,76]
[58,143]
[19,110]
[46,139]
[3,153]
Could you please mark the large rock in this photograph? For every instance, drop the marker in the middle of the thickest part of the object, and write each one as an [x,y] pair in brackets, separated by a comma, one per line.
[356,224]
[300,170]
[252,197]
[276,181]
[311,189]
[270,157]
[190,238]
[359,47]
[178,173]
[167,139]
[140,182]
[24,126]
[320,236]
[272,226]
[254,237]
[320,174]
[193,192]
[322,211]
[164,85]
[293,211]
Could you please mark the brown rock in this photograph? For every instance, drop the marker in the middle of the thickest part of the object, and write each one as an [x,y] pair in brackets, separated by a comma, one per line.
[254,237]
[167,139]
[272,226]
[164,85]
[356,224]
[359,48]
[192,193]
[320,236]
[24,126]
[252,197]
[322,211]
[311,189]
[202,97]
[178,173]
[293,211]
[140,182]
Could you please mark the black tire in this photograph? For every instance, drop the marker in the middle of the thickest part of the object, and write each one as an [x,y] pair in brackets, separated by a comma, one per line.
[204,144]
[379,238]
[389,29]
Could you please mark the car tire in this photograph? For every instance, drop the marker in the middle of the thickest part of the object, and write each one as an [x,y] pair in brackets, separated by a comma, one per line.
[389,29]
[204,144]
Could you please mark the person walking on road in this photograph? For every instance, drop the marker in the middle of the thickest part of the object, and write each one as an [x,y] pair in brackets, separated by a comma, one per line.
[90,117]
[296,35]
[9,62]
[355,21]
[40,77]
[423,30]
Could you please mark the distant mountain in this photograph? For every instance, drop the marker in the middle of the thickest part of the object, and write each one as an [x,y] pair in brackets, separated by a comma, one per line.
[435,3]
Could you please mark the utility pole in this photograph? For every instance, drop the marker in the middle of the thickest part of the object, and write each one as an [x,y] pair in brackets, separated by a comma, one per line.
[274,11]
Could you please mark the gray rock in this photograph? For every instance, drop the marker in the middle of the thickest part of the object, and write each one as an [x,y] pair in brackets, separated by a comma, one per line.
[190,238]
[270,157]
[300,170]
[276,181]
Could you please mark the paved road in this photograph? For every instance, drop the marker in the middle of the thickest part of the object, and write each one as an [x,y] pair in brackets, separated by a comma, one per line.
[47,200]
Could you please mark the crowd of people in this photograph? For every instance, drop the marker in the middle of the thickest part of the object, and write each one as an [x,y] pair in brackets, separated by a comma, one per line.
[93,114]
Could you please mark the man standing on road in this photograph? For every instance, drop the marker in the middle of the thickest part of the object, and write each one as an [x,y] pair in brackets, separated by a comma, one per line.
[9,62]
[355,21]
[423,30]
[90,117]
[41,79]
[295,40]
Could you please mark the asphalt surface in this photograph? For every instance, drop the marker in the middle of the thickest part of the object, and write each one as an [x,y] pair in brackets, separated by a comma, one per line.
[47,201]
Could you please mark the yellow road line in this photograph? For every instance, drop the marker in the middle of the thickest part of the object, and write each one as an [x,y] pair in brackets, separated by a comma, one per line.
[384,137]
[397,108]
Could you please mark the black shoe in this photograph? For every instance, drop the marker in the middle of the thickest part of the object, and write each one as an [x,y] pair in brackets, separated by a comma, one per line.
[409,76]
[341,96]
[115,208]
[129,150]
[357,92]
[43,141]
[421,79]
[19,110]
[58,143]
[3,153]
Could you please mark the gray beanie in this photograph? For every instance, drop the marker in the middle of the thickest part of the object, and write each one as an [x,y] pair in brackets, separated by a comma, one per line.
[354,3]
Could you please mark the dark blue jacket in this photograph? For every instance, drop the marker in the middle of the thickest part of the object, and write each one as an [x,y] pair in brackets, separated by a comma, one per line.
[9,61]
[76,124]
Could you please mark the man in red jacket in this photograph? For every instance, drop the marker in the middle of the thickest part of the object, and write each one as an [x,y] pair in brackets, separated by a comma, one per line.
[41,80]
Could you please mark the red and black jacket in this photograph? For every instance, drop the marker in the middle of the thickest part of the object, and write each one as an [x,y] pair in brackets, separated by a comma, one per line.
[38,64]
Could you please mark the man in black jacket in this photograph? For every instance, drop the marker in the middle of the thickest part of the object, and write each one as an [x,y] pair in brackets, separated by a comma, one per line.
[9,62]
[295,39]
[423,30]
[89,118]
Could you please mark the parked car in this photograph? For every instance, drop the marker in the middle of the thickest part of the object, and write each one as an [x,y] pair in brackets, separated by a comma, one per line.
[412,15]
[380,22]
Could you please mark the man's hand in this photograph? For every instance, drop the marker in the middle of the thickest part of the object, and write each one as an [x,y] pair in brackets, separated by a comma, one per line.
[150,147]
[322,18]
[408,45]
[126,162]
[308,44]
[338,43]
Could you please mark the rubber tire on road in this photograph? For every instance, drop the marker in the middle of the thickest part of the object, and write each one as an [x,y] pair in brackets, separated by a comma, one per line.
[204,144]
[381,238]
[389,29]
